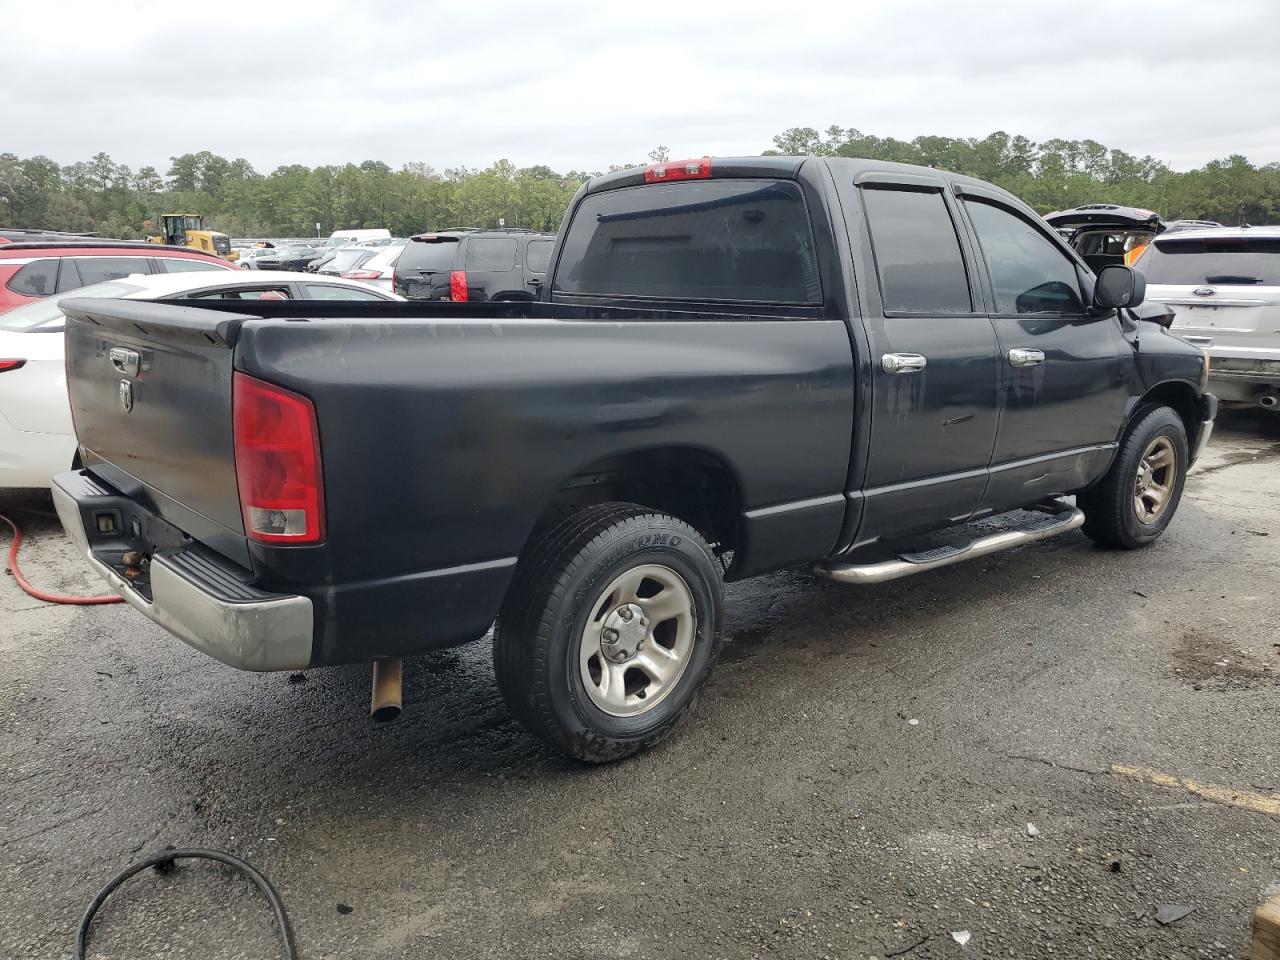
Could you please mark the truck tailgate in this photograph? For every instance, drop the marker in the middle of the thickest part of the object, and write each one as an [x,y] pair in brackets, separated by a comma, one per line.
[150,389]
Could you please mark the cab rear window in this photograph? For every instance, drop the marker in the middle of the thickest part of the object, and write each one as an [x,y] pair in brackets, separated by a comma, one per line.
[1225,261]
[718,240]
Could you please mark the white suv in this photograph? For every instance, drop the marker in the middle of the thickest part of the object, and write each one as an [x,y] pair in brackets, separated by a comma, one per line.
[1223,286]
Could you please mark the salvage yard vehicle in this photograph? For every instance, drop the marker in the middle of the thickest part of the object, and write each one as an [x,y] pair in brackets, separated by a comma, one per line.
[1104,233]
[187,230]
[463,265]
[1223,286]
[282,258]
[379,270]
[37,437]
[738,365]
[33,269]
[346,238]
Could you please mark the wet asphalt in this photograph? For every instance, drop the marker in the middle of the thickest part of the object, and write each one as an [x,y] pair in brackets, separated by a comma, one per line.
[858,779]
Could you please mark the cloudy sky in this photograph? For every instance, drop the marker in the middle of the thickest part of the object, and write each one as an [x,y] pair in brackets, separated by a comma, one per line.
[584,85]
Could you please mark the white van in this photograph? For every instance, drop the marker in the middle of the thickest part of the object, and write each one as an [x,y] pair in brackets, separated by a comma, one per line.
[345,237]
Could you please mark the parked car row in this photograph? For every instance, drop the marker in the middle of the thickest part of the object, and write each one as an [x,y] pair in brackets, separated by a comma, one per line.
[469,264]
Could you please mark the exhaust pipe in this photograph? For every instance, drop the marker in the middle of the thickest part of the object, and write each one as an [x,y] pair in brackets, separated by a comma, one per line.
[387,697]
[1269,400]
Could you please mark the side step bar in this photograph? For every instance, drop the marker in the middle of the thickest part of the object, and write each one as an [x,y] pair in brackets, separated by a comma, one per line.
[1061,517]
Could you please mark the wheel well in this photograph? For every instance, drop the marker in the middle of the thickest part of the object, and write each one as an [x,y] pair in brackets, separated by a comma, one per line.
[693,485]
[1182,399]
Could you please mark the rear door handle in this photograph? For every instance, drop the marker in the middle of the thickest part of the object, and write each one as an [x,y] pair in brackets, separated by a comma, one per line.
[1025,356]
[1198,341]
[903,362]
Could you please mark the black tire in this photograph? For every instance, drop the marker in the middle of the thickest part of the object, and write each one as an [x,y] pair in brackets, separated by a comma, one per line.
[1111,517]
[538,638]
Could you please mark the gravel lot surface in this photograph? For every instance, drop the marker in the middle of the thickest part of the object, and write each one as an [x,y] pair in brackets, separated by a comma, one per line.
[858,780]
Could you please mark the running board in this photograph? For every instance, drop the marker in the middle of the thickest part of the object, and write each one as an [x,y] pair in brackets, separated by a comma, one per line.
[1061,517]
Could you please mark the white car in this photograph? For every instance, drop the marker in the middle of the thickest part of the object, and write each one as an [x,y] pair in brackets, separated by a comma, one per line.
[37,438]
[379,270]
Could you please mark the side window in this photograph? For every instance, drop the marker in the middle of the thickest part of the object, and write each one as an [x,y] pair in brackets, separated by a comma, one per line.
[325,291]
[720,240]
[98,269]
[538,256]
[36,279]
[1028,273]
[491,253]
[265,293]
[917,252]
[174,265]
[68,275]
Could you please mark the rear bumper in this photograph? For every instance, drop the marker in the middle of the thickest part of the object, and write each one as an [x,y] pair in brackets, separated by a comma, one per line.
[194,594]
[1253,365]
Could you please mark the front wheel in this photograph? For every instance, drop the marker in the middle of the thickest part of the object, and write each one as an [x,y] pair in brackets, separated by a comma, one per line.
[611,627]
[1133,504]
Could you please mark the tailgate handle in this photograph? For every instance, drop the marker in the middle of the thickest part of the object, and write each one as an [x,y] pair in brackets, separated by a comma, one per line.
[126,361]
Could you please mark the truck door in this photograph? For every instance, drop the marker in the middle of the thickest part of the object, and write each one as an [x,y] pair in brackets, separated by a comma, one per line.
[1063,374]
[933,358]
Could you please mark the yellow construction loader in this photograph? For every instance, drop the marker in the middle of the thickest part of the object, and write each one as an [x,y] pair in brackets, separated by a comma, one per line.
[187,230]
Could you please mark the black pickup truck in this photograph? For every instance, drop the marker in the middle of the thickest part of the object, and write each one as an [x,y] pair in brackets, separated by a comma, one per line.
[736,366]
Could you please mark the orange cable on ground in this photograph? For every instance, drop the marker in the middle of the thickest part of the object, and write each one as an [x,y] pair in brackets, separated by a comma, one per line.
[40,594]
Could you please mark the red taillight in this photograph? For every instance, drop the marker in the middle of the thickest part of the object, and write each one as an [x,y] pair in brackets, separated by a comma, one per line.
[277,448]
[7,365]
[458,286]
[678,170]
[361,275]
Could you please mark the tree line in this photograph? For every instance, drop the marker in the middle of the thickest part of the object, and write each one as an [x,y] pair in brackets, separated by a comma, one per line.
[102,196]
[1058,174]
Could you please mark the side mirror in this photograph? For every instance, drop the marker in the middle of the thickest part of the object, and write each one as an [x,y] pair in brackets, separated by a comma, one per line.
[1118,288]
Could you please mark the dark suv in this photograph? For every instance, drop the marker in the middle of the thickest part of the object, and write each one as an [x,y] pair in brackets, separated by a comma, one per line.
[474,265]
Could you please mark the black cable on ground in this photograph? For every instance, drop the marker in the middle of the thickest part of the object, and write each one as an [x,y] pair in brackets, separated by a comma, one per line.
[163,861]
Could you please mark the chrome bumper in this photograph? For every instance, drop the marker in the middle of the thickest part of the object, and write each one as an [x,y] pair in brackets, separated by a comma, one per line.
[260,634]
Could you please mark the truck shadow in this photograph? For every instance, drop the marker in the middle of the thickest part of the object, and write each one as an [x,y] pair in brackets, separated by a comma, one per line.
[783,630]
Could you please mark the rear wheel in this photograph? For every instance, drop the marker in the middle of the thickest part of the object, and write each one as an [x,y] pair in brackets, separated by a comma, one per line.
[612,626]
[1133,504]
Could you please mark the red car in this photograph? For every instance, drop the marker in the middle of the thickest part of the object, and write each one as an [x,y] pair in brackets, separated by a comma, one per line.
[31,269]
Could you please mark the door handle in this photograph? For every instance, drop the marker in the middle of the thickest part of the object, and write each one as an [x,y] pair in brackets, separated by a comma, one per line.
[1025,356]
[535,282]
[903,362]
[1198,341]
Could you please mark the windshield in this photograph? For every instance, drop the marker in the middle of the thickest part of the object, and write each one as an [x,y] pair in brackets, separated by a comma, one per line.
[350,258]
[46,314]
[1230,261]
